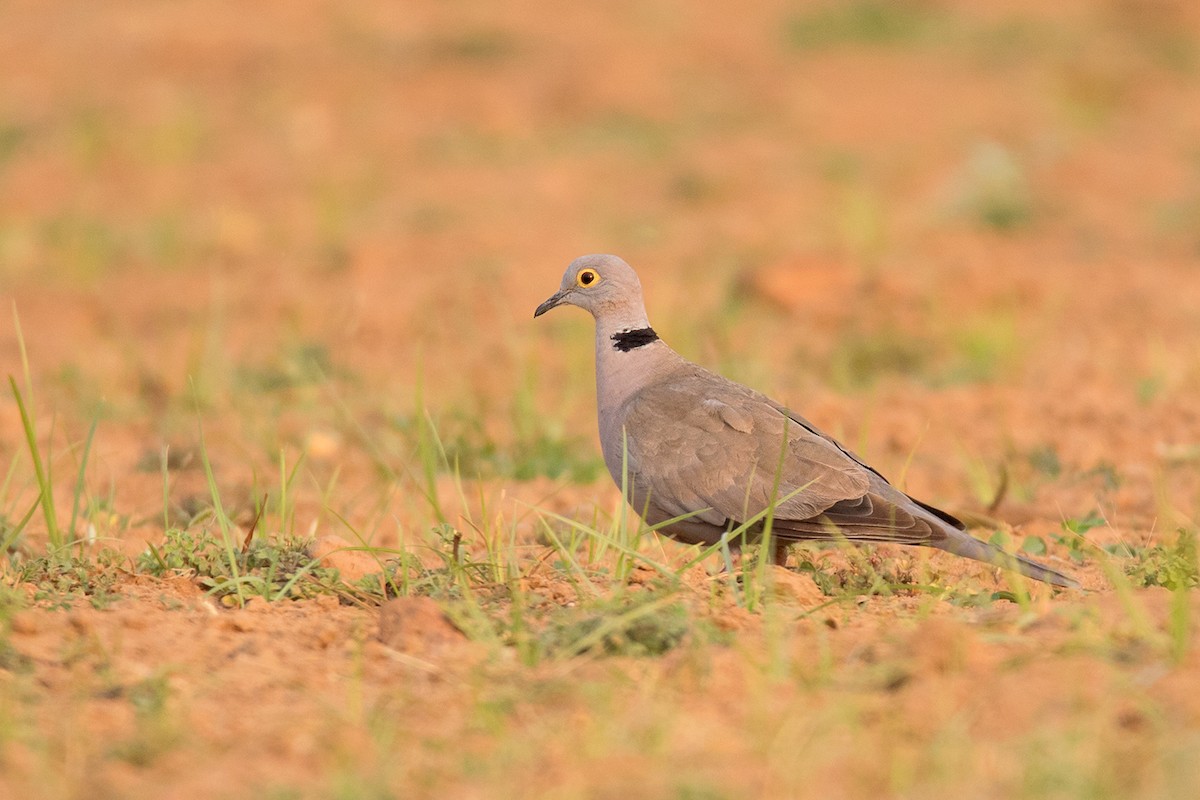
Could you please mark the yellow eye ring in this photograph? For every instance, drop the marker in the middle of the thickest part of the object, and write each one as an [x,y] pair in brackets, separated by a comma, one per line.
[587,277]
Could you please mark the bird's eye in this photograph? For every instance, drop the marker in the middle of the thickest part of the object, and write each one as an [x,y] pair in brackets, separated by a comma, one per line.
[587,277]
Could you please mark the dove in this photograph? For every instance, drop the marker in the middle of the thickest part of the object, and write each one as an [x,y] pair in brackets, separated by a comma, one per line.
[700,455]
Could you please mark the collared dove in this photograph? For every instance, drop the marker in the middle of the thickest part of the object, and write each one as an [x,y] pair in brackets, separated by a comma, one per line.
[710,454]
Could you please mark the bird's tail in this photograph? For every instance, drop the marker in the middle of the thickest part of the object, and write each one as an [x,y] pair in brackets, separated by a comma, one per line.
[963,544]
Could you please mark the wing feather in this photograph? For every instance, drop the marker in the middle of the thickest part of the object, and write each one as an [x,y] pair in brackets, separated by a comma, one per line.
[701,445]
[725,448]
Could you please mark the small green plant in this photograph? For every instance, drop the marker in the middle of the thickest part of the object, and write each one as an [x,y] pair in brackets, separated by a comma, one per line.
[646,625]
[1081,525]
[61,578]
[1044,459]
[863,573]
[1071,537]
[262,568]
[1173,566]
[1074,532]
[182,550]
[1105,473]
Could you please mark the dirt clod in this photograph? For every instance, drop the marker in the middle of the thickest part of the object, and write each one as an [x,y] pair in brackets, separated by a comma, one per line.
[26,622]
[416,625]
[352,565]
[797,588]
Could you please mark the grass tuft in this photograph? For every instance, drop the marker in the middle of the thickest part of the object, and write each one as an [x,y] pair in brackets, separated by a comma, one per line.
[992,189]
[620,626]
[1172,565]
[62,578]
[271,570]
[860,22]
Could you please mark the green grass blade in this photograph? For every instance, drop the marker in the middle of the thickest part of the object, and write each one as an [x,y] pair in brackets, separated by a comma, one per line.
[79,479]
[166,481]
[43,481]
[227,539]
[20,526]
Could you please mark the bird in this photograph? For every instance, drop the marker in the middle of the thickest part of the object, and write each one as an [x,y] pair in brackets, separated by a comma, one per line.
[701,458]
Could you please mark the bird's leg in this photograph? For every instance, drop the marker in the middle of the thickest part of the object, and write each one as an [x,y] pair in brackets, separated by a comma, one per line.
[776,556]
[732,565]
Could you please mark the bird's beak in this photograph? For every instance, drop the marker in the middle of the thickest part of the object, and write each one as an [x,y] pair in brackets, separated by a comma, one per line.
[555,300]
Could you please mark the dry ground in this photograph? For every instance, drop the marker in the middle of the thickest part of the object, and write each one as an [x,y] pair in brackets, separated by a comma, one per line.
[301,242]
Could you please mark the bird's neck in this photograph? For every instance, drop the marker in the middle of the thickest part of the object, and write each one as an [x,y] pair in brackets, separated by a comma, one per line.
[628,355]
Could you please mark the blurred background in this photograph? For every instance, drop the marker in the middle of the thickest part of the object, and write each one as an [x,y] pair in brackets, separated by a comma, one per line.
[303,240]
[962,230]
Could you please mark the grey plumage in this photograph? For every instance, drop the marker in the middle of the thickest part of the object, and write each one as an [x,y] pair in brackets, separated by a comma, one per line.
[693,443]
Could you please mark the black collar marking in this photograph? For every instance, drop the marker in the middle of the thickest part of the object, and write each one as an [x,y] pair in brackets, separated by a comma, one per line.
[628,340]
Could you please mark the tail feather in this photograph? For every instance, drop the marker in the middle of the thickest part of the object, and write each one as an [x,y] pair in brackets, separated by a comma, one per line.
[963,544]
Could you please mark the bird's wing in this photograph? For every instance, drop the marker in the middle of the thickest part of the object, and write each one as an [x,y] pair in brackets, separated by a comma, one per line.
[699,442]
[893,496]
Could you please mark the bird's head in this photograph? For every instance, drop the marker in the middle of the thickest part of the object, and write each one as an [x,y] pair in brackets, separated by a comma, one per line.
[601,284]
